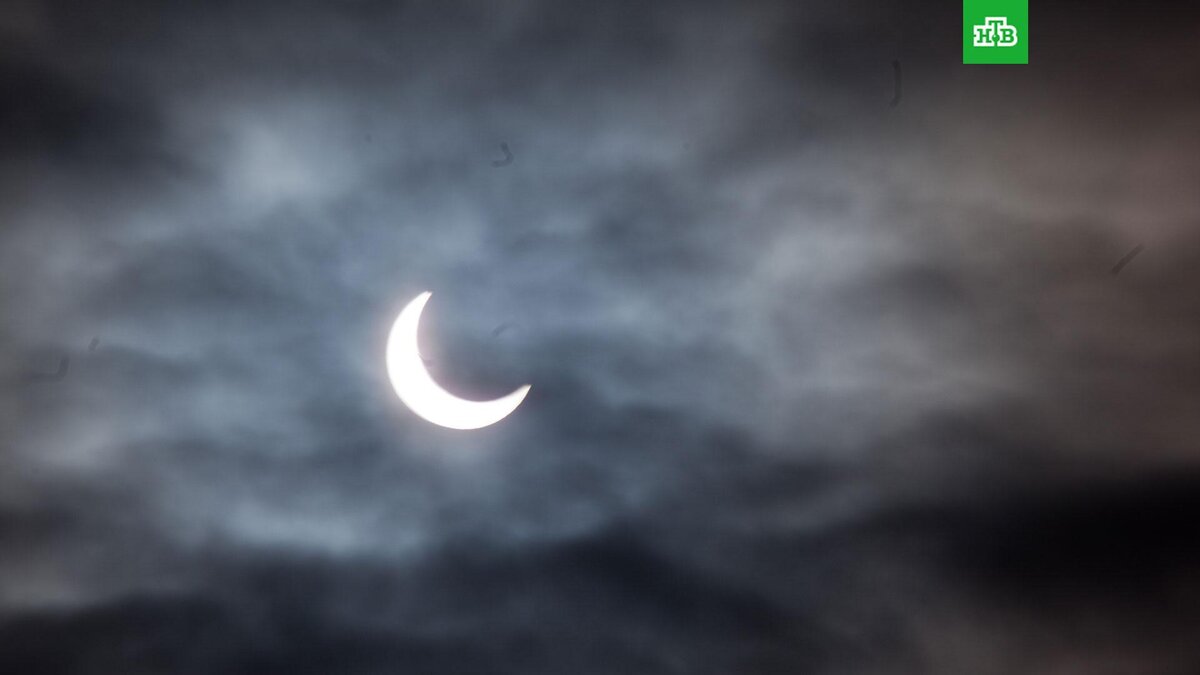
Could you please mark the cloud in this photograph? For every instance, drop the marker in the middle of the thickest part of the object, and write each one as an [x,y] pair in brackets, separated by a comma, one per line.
[818,384]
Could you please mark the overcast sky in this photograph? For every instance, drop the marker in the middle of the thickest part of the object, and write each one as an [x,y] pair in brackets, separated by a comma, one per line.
[821,384]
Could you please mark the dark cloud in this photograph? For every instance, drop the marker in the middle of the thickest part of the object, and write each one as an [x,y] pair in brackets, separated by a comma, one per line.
[819,384]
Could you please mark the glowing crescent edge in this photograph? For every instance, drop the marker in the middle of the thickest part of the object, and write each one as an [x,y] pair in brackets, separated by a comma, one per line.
[417,389]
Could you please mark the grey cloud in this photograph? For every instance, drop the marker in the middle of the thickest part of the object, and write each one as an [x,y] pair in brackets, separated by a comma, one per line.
[818,384]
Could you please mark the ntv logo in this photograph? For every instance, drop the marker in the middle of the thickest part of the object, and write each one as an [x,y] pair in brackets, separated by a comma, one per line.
[987,24]
[995,32]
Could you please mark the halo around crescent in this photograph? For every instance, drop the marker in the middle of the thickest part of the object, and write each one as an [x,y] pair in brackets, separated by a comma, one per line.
[421,394]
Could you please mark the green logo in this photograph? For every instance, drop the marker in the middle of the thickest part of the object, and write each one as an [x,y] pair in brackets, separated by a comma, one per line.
[995,31]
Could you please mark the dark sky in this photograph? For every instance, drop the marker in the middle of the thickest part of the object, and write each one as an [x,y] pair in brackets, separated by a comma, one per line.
[820,385]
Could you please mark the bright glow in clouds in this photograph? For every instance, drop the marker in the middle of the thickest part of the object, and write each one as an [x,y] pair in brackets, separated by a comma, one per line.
[422,395]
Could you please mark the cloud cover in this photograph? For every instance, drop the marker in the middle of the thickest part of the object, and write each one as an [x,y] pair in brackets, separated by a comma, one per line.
[819,385]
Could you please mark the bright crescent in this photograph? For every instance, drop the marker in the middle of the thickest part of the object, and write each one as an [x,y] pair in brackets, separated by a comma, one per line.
[422,395]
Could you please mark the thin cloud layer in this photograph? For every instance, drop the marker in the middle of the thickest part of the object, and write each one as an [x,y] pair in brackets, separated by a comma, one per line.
[819,384]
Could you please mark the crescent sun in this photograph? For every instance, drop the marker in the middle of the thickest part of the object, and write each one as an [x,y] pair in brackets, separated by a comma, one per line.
[417,389]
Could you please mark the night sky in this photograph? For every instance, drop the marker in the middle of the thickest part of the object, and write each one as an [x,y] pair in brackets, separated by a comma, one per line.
[822,384]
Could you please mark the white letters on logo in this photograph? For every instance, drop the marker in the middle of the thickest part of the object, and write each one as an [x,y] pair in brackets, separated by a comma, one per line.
[995,32]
